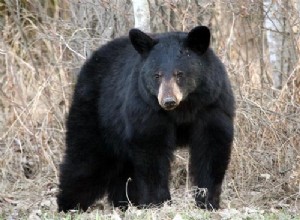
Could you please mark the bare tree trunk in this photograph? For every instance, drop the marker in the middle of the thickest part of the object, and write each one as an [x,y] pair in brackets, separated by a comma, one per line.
[274,25]
[141,15]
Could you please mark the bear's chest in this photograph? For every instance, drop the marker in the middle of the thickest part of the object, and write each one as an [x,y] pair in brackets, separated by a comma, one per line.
[185,113]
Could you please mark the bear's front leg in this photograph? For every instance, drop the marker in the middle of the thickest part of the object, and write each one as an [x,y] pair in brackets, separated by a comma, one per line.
[210,147]
[152,169]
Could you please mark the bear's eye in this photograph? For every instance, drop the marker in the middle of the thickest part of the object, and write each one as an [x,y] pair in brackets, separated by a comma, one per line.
[157,75]
[179,74]
[184,52]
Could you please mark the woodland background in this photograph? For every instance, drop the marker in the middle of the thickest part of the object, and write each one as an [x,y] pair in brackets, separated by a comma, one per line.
[44,43]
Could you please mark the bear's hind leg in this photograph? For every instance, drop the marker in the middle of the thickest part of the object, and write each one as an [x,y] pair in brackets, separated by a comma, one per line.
[79,187]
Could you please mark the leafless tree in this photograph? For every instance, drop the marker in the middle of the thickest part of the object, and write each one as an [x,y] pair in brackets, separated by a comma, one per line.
[141,15]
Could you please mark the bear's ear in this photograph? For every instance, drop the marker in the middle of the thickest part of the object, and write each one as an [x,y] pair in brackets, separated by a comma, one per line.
[198,39]
[142,42]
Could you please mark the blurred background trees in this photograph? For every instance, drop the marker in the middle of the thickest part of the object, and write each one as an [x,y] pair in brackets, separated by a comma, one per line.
[44,43]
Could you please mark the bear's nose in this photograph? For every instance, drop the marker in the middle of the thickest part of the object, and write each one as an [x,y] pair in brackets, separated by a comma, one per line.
[169,102]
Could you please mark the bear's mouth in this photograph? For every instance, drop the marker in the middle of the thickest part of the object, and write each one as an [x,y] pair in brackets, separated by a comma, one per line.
[169,108]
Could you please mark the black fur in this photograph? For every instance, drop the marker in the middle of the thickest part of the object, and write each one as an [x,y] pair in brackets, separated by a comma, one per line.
[117,130]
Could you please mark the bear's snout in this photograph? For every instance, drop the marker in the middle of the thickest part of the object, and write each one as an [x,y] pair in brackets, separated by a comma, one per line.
[169,94]
[169,103]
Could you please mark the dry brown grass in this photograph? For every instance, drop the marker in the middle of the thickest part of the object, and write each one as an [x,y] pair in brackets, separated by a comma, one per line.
[41,49]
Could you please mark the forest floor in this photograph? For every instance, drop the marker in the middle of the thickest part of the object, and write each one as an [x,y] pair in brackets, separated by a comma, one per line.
[36,199]
[36,208]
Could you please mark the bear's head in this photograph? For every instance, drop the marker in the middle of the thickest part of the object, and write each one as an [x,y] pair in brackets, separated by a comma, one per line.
[172,65]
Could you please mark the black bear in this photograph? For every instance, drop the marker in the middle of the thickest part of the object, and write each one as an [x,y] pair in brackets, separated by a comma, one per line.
[137,98]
